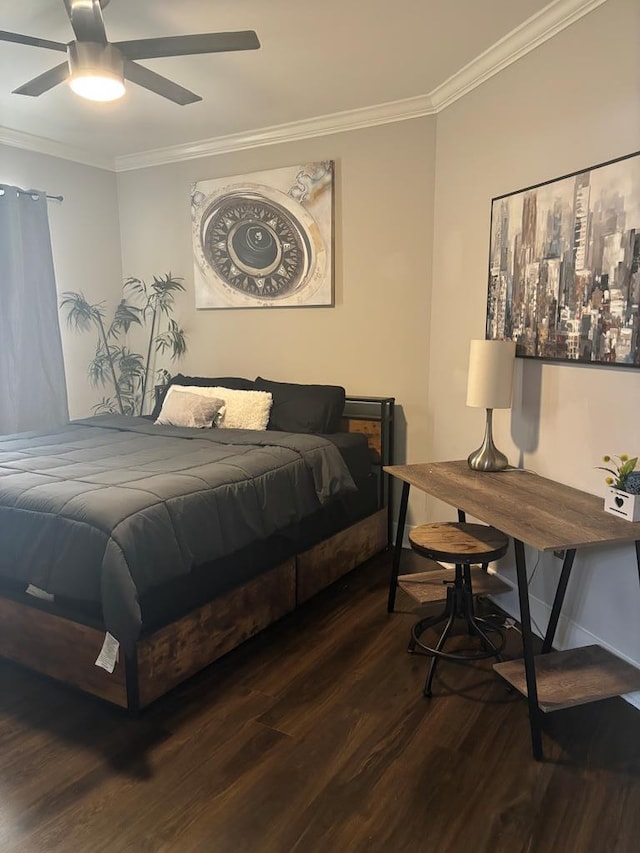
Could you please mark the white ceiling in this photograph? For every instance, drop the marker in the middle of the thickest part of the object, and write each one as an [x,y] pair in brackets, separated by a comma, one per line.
[318,58]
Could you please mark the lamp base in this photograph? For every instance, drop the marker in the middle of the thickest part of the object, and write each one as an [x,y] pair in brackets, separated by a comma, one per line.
[488,457]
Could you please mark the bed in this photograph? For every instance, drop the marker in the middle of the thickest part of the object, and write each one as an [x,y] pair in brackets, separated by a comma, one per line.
[179,542]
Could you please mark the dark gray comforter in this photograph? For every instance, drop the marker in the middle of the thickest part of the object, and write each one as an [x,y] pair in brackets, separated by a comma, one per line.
[106,508]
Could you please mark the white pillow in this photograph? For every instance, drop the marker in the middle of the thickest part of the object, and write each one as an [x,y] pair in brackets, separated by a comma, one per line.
[186,409]
[244,409]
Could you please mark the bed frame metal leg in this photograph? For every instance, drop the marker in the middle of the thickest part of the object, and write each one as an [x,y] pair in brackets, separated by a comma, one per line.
[131,682]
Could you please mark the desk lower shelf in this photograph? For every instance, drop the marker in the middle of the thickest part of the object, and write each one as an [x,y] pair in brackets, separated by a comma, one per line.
[424,587]
[574,677]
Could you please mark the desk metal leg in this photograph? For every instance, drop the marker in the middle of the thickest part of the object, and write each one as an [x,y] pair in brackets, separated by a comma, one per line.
[558,600]
[397,552]
[638,556]
[527,646]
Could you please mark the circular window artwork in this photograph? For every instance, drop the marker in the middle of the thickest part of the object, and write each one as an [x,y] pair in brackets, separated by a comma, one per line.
[255,246]
[264,240]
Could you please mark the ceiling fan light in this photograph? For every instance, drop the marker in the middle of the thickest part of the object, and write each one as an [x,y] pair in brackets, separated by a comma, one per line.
[97,71]
[97,87]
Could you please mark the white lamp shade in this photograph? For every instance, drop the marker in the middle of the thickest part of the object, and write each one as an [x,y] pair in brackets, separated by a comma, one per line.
[490,377]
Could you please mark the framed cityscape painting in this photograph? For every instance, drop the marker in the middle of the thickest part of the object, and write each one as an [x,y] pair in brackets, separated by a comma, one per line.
[264,239]
[564,267]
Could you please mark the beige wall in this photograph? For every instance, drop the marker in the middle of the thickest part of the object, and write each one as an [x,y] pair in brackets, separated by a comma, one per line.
[85,242]
[572,103]
[375,339]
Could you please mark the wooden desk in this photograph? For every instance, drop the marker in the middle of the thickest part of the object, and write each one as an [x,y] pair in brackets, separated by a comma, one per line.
[548,516]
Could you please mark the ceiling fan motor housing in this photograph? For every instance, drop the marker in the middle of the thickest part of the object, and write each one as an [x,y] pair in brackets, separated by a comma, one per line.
[96,70]
[90,57]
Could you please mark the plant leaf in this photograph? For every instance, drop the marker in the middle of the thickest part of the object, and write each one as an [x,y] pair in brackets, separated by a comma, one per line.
[628,467]
[125,316]
[608,470]
[107,406]
[99,367]
[172,339]
[167,284]
[80,313]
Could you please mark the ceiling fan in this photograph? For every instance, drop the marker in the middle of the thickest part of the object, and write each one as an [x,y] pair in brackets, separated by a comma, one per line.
[96,68]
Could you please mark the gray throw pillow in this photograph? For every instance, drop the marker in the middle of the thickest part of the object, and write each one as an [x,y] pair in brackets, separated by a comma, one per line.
[186,409]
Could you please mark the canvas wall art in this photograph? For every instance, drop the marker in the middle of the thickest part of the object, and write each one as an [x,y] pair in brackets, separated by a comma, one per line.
[265,239]
[564,267]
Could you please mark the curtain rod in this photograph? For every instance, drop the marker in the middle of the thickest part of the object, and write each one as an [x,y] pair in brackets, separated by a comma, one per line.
[39,192]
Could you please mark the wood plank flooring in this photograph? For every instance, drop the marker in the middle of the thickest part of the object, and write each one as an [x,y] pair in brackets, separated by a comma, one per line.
[314,736]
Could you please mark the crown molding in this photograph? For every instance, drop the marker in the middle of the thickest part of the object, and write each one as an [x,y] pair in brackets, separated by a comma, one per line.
[527,37]
[42,145]
[357,119]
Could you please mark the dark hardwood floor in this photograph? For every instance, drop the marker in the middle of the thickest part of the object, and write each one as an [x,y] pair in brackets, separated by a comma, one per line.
[315,736]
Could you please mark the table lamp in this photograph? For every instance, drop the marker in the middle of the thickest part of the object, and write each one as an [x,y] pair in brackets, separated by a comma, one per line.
[489,384]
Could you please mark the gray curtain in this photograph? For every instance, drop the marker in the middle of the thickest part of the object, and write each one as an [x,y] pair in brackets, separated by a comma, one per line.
[33,391]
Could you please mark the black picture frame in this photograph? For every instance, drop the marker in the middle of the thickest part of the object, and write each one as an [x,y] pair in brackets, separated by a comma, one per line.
[564,267]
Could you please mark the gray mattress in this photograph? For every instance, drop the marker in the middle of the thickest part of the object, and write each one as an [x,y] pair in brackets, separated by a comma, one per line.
[110,507]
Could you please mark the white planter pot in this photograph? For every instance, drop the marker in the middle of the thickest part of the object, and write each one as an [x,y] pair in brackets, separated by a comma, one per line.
[622,504]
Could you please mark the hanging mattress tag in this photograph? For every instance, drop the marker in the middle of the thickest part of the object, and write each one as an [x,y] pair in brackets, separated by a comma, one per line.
[109,654]
[36,592]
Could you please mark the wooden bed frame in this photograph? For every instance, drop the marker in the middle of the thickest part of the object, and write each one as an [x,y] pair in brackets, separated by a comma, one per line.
[66,650]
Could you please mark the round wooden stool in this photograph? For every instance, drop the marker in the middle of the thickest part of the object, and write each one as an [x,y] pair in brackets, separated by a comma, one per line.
[462,544]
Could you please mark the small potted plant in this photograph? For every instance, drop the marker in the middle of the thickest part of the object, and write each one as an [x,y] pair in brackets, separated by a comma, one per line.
[623,497]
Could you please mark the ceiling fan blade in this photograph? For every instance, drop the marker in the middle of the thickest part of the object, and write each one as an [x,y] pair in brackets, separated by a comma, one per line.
[189,45]
[86,20]
[45,81]
[158,84]
[32,41]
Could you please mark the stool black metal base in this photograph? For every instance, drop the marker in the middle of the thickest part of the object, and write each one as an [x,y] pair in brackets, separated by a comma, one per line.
[459,605]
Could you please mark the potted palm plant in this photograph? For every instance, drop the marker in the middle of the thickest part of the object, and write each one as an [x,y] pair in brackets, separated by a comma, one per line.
[623,497]
[114,364]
